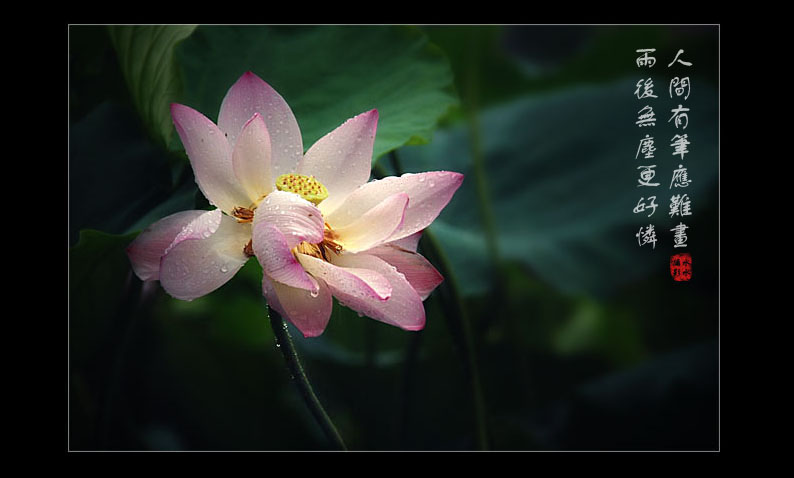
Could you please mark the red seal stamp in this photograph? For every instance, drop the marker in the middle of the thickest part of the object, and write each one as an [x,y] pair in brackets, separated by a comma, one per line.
[681,267]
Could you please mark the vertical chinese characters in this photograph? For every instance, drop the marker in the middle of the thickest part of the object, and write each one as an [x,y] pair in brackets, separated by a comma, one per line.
[679,90]
[650,169]
[646,118]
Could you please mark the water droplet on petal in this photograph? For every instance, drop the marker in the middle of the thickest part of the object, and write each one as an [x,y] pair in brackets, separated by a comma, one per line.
[314,293]
[422,179]
[224,269]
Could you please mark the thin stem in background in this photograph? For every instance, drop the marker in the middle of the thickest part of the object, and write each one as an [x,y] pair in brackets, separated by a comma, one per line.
[370,346]
[284,342]
[127,322]
[409,372]
[471,109]
[459,323]
[396,165]
[449,295]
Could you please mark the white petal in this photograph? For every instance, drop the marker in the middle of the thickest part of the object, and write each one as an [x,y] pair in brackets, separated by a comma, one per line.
[251,159]
[428,194]
[210,157]
[296,218]
[404,307]
[196,267]
[342,159]
[249,95]
[375,226]
[348,281]
[150,245]
[271,248]
[308,311]
[418,271]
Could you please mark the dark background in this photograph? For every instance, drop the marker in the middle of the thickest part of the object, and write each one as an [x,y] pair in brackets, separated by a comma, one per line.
[580,339]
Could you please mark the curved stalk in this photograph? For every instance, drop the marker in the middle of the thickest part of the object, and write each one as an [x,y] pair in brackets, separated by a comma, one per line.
[284,342]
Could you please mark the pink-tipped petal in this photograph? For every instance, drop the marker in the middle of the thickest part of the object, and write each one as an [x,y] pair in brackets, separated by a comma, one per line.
[271,249]
[342,159]
[156,240]
[210,156]
[404,308]
[375,226]
[203,226]
[307,311]
[296,218]
[249,95]
[428,194]
[418,271]
[409,243]
[196,267]
[348,283]
[251,159]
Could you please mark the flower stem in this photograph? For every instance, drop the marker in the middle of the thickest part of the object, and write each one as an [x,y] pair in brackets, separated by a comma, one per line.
[284,342]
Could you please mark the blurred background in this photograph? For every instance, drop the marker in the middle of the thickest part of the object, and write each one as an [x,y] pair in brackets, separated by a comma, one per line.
[554,329]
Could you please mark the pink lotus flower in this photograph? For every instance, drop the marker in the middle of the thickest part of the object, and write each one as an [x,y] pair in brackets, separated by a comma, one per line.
[314,223]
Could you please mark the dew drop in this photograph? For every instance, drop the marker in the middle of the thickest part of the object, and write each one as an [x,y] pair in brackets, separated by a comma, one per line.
[224,269]
[314,293]
[422,179]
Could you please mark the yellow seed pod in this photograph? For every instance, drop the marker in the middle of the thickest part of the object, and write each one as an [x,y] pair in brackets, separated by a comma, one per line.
[306,187]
